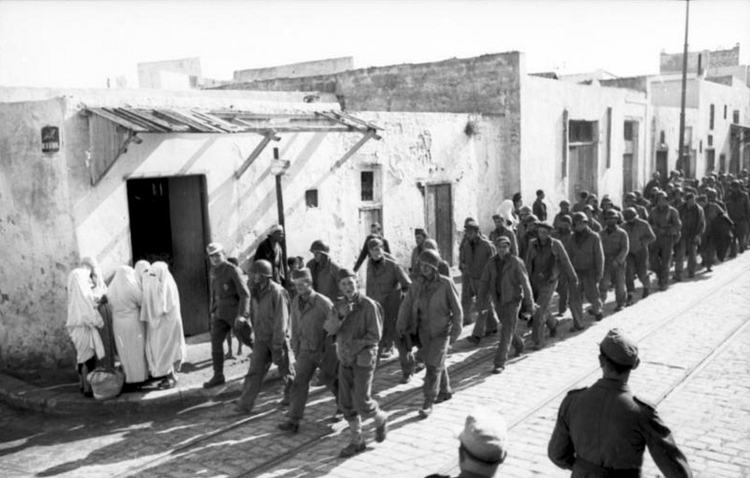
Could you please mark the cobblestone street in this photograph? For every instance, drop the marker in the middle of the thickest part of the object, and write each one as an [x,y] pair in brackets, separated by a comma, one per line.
[694,342]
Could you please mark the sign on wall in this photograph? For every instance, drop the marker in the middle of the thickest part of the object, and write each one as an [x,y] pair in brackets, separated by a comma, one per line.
[50,139]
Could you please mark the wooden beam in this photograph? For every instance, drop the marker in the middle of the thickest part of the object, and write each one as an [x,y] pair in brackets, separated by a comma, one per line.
[354,149]
[116,119]
[256,152]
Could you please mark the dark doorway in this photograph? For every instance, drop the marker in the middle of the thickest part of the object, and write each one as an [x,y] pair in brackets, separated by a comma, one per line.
[661,164]
[583,169]
[168,222]
[439,214]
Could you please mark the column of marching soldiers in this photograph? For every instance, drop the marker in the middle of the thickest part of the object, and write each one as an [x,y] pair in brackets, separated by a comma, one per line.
[322,321]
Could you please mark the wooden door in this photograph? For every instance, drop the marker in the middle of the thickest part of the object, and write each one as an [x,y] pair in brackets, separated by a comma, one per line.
[439,218]
[583,169]
[189,239]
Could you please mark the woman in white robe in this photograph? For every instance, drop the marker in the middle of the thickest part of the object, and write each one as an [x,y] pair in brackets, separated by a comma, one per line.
[99,288]
[82,324]
[160,310]
[125,296]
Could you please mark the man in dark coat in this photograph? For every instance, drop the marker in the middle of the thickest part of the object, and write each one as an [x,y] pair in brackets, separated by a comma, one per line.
[270,250]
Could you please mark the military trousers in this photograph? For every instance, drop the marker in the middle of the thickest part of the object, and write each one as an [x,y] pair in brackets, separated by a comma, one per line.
[486,323]
[588,287]
[305,365]
[662,259]
[563,286]
[685,247]
[508,320]
[219,330]
[543,292]
[433,353]
[468,293]
[355,391]
[637,265]
[739,243]
[260,362]
[613,274]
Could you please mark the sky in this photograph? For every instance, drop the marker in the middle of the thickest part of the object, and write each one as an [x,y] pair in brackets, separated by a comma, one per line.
[70,43]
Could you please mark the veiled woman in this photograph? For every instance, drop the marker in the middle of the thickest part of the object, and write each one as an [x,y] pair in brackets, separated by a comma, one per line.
[82,324]
[125,297]
[165,341]
[99,289]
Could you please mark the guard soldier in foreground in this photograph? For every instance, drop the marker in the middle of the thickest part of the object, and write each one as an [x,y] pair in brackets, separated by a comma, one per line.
[356,321]
[230,301]
[483,445]
[602,430]
[431,309]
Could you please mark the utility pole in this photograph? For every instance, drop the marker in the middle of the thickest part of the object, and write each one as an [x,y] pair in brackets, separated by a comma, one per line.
[681,144]
[279,172]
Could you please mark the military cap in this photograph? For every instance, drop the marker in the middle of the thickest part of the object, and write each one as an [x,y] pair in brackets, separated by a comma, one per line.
[710,192]
[620,348]
[302,274]
[566,218]
[659,194]
[564,202]
[469,220]
[629,214]
[420,231]
[346,273]
[319,246]
[630,196]
[531,218]
[496,216]
[606,198]
[524,210]
[580,217]
[588,207]
[611,213]
[214,248]
[374,242]
[471,225]
[485,436]
[544,224]
[502,240]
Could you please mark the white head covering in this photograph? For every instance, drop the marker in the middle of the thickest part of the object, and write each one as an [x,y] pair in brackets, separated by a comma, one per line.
[81,311]
[160,295]
[506,211]
[124,286]
[100,288]
[141,267]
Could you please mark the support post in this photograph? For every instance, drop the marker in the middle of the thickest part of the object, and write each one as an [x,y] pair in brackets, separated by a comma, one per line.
[681,142]
[280,209]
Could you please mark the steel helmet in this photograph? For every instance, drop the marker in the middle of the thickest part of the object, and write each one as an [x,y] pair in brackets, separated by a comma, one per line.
[262,267]
[430,257]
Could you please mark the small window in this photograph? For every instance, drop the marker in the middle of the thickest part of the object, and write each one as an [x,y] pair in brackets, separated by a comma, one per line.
[628,131]
[710,140]
[736,116]
[711,118]
[368,185]
[311,198]
[581,131]
[725,111]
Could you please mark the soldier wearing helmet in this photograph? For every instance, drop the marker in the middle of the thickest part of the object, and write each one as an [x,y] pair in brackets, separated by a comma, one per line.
[586,254]
[324,270]
[269,311]
[665,221]
[615,245]
[640,237]
[420,235]
[431,309]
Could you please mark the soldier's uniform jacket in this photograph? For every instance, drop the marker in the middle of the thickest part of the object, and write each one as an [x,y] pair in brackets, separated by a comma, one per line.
[325,277]
[640,235]
[693,220]
[431,307]
[665,221]
[738,206]
[230,297]
[269,313]
[605,427]
[385,282]
[308,317]
[585,252]
[474,257]
[506,232]
[615,244]
[559,259]
[505,281]
[357,326]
